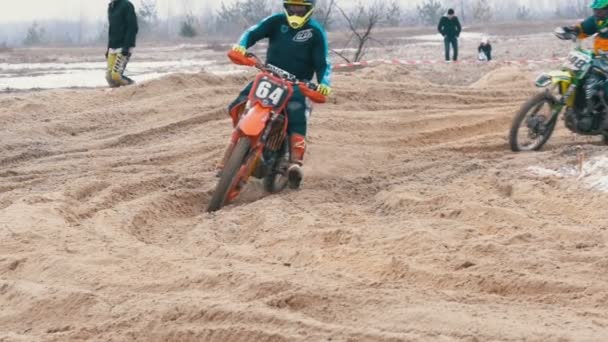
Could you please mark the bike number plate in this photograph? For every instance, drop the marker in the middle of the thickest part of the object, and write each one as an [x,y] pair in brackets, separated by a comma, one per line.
[270,93]
[577,61]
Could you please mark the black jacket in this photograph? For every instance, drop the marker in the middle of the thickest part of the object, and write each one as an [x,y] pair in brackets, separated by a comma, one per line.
[123,24]
[449,27]
[486,49]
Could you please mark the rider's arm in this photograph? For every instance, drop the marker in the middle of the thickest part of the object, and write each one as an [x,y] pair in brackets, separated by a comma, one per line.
[440,26]
[259,31]
[587,28]
[322,62]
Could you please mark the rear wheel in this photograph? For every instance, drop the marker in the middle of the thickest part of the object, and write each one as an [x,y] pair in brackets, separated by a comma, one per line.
[227,183]
[534,123]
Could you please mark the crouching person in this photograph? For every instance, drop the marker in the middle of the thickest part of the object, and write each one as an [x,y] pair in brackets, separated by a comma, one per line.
[485,50]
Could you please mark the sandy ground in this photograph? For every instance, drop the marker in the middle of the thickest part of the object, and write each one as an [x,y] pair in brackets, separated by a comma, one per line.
[414,222]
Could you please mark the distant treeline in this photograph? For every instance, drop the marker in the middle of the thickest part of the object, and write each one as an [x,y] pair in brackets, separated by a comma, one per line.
[231,18]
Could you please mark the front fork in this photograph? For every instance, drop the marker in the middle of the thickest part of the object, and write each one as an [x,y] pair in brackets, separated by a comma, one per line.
[257,147]
[538,124]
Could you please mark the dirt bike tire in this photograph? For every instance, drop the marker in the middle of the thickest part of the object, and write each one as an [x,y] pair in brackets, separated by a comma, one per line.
[270,183]
[231,169]
[521,115]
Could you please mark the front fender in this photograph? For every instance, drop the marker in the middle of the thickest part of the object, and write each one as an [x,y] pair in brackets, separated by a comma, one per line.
[253,122]
[554,77]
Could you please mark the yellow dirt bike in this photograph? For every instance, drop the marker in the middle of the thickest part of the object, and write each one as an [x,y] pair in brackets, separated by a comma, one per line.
[564,89]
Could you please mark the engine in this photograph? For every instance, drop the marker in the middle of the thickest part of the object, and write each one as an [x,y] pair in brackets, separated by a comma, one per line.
[580,121]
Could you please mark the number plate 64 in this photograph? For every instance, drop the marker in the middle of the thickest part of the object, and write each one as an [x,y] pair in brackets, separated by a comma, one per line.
[270,93]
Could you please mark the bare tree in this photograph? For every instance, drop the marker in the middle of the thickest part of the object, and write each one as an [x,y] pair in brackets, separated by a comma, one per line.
[228,15]
[430,12]
[188,27]
[324,11]
[482,11]
[35,35]
[148,15]
[574,9]
[523,13]
[361,22]
[242,14]
[252,11]
[393,14]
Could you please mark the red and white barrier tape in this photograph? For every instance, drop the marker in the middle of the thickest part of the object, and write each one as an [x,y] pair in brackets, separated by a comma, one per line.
[427,62]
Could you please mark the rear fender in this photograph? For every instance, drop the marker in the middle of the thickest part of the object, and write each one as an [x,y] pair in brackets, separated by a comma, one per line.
[253,122]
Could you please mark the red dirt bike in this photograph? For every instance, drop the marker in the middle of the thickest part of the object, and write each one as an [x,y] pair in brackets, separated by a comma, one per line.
[260,146]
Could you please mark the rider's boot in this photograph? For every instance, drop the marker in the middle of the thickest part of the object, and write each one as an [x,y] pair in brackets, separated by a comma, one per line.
[295,174]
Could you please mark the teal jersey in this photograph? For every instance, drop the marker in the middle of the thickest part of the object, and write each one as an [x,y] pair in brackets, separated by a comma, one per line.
[590,27]
[302,52]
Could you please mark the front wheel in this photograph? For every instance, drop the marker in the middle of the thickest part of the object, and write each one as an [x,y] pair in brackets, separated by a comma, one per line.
[227,184]
[534,123]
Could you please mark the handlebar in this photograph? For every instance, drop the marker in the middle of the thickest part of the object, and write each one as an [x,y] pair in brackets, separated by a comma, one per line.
[309,89]
[568,33]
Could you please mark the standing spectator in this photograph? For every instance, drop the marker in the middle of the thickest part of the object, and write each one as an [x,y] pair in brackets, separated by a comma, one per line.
[121,41]
[485,49]
[449,27]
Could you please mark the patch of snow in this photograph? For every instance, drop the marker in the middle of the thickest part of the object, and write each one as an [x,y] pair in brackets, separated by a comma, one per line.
[68,75]
[594,173]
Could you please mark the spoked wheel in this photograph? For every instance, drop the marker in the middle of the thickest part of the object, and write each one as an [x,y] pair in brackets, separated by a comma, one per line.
[228,186]
[534,123]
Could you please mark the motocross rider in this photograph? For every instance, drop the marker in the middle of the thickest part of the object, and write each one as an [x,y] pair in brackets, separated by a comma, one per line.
[298,45]
[597,25]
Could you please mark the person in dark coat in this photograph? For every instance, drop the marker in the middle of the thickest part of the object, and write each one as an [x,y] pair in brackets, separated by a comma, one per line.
[122,34]
[449,27]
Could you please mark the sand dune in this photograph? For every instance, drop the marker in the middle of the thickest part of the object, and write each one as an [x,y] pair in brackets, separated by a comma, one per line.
[414,222]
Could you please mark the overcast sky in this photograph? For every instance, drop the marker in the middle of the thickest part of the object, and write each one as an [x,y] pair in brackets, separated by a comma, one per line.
[27,10]
[24,10]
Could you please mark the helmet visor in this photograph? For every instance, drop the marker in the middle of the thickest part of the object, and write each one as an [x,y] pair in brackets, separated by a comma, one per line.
[297,10]
[600,13]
